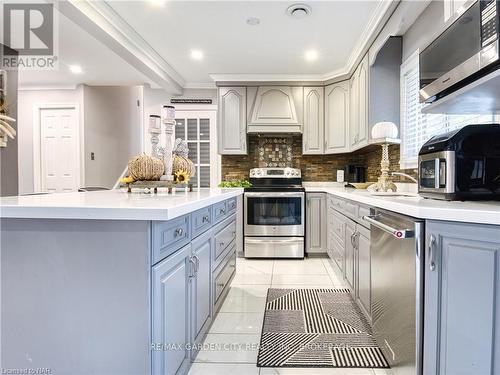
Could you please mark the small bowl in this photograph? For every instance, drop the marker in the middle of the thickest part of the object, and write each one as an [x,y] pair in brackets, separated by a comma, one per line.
[361,185]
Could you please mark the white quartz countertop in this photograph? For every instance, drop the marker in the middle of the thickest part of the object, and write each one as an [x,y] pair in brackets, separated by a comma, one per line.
[485,212]
[112,204]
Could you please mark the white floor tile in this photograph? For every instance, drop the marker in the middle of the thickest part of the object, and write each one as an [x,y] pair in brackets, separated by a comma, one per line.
[313,371]
[381,371]
[313,266]
[334,273]
[302,280]
[229,349]
[250,322]
[250,291]
[246,303]
[252,279]
[254,266]
[223,369]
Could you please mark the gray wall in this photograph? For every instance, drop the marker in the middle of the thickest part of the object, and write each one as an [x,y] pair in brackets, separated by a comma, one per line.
[425,29]
[9,154]
[112,130]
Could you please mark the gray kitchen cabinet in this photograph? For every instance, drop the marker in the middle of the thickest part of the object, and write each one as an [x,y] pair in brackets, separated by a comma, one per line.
[275,109]
[462,299]
[201,305]
[313,134]
[337,118]
[349,255]
[359,93]
[170,312]
[232,130]
[316,213]
[363,269]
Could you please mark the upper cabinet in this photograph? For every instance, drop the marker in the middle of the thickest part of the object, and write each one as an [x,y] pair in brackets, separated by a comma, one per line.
[313,135]
[337,118]
[359,101]
[275,109]
[232,131]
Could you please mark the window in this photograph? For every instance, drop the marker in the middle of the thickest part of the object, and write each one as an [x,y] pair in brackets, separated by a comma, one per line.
[198,129]
[416,127]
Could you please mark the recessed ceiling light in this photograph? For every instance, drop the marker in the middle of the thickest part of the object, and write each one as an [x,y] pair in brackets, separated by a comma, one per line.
[253,21]
[196,54]
[299,11]
[75,69]
[157,3]
[311,55]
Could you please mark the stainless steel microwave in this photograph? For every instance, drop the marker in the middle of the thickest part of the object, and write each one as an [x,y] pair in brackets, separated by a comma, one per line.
[461,165]
[467,50]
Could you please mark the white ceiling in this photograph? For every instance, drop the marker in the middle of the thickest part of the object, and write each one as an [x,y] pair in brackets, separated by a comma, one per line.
[101,66]
[230,46]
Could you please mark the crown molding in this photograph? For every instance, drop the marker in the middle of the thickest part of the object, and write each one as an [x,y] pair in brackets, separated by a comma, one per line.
[47,87]
[101,21]
[200,85]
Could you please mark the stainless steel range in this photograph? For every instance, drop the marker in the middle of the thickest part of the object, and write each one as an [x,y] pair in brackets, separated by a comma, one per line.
[274,209]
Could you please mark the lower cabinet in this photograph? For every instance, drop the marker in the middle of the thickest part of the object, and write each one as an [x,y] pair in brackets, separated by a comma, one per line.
[201,305]
[187,288]
[349,256]
[316,212]
[170,313]
[363,269]
[462,299]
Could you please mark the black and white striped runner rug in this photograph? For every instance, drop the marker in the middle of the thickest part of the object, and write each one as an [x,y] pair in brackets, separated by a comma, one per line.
[316,328]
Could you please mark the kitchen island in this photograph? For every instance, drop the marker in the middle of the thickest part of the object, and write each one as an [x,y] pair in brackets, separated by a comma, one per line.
[106,282]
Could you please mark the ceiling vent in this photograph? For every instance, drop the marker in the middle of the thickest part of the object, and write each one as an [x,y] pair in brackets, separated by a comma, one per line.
[299,11]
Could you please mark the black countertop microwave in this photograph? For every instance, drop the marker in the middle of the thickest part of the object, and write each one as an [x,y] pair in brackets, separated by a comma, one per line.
[461,165]
[467,50]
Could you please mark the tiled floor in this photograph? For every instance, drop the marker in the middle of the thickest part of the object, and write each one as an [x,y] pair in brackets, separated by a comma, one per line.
[235,333]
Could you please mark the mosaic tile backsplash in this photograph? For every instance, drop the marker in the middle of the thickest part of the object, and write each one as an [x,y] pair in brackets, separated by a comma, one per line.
[277,151]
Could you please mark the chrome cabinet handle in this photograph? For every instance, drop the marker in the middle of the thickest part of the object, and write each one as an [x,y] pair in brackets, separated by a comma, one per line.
[352,239]
[197,263]
[432,252]
[178,232]
[192,266]
[220,285]
[221,244]
[205,219]
[234,234]
[222,212]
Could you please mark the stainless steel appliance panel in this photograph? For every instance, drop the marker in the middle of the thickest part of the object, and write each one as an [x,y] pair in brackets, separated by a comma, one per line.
[274,213]
[397,289]
[274,247]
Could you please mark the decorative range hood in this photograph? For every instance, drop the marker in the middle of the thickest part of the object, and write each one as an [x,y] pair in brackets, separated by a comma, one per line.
[274,109]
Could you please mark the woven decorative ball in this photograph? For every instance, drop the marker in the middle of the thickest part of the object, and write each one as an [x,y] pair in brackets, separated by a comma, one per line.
[145,168]
[183,164]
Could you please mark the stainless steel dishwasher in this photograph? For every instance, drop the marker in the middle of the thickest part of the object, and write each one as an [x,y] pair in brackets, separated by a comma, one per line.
[397,288]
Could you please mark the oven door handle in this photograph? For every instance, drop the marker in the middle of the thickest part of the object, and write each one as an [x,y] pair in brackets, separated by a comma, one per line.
[274,195]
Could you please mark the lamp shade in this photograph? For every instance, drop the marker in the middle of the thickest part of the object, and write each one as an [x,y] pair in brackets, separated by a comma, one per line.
[385,129]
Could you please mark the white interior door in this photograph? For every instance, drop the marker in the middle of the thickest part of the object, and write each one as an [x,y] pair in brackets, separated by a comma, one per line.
[59,155]
[198,128]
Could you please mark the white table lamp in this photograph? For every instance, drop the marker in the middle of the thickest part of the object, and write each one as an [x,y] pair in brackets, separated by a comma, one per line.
[384,133]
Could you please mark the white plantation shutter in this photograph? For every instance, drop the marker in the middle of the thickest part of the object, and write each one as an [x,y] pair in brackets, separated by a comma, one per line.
[416,127]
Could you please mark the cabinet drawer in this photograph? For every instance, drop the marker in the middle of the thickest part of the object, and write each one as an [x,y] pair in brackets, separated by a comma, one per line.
[231,206]
[201,220]
[338,225]
[351,209]
[169,236]
[225,235]
[224,275]
[219,211]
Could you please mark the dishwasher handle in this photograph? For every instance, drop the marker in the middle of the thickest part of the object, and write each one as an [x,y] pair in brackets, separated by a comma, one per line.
[398,233]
